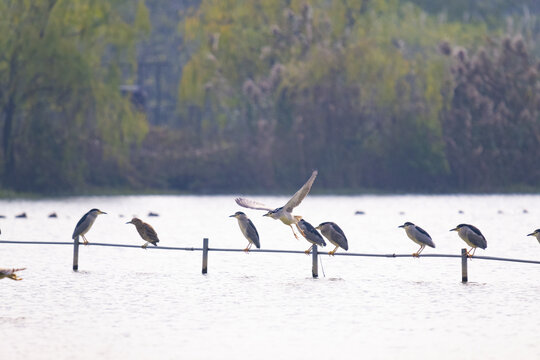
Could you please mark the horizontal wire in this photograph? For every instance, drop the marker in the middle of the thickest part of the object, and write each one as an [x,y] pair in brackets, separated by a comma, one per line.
[267,251]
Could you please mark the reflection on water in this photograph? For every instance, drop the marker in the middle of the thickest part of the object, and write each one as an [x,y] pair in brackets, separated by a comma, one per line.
[132,303]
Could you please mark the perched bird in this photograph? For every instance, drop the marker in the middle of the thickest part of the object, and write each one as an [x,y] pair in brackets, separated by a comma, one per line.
[283,213]
[86,222]
[248,229]
[10,273]
[310,233]
[472,236]
[418,235]
[536,234]
[146,231]
[335,235]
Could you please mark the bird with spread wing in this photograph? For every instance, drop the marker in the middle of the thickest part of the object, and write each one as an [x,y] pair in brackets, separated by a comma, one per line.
[283,213]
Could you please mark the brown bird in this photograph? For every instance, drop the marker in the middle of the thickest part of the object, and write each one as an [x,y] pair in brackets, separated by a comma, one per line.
[146,231]
[10,273]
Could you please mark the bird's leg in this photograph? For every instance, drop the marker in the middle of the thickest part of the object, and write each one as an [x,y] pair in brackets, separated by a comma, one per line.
[145,245]
[469,252]
[308,251]
[300,230]
[417,254]
[333,251]
[296,236]
[84,239]
[247,248]
[14,277]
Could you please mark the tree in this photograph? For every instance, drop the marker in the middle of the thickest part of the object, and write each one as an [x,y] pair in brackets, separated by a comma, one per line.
[60,98]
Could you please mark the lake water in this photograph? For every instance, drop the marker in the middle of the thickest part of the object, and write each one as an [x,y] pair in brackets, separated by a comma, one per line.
[134,304]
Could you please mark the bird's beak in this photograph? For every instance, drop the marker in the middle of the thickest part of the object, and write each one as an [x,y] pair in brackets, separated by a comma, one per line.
[267,214]
[401,226]
[102,212]
[129,222]
[233,215]
[318,227]
[531,234]
[454,229]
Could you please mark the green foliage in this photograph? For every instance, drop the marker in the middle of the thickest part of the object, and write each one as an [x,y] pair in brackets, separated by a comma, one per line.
[354,85]
[62,104]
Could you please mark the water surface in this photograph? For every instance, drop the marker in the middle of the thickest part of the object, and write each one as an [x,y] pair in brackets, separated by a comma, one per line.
[132,303]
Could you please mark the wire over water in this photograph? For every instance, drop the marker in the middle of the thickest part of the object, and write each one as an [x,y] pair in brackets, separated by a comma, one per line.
[263,251]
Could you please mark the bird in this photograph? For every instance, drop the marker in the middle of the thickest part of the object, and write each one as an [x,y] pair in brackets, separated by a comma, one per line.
[310,233]
[418,235]
[283,213]
[335,235]
[472,236]
[10,273]
[248,229]
[146,231]
[536,234]
[86,222]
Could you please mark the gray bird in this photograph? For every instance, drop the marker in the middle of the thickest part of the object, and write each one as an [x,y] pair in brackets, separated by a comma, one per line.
[335,235]
[86,222]
[146,231]
[10,273]
[418,235]
[248,229]
[536,234]
[283,213]
[310,233]
[472,236]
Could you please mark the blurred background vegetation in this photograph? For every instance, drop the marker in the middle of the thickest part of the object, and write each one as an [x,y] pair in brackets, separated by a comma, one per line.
[214,96]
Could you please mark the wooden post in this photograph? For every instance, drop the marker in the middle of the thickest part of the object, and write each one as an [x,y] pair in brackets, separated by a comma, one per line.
[315,267]
[464,256]
[205,256]
[76,254]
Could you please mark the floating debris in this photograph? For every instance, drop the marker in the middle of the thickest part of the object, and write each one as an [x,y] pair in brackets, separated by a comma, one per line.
[359,212]
[21,216]
[499,212]
[53,215]
[525,211]
[10,273]
[2,216]
[153,214]
[461,212]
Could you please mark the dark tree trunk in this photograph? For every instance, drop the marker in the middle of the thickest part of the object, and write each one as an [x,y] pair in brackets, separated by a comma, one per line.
[9,156]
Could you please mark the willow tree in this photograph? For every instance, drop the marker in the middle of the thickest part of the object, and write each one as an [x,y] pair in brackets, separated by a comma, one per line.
[60,104]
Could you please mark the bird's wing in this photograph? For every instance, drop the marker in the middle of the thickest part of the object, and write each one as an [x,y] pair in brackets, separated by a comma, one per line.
[79,224]
[253,234]
[342,240]
[301,194]
[426,238]
[151,233]
[250,204]
[475,230]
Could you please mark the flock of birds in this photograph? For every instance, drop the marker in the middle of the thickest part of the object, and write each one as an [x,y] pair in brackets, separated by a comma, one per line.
[330,230]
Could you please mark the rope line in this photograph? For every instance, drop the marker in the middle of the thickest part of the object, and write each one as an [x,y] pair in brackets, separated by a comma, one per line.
[266,251]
